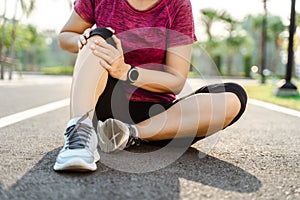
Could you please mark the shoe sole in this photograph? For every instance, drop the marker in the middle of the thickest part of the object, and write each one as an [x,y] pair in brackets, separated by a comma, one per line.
[105,143]
[77,165]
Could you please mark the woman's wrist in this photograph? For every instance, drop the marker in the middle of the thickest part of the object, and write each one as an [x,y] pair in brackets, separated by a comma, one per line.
[127,68]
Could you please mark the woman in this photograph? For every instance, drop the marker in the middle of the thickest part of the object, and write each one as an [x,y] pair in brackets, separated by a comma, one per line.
[129,81]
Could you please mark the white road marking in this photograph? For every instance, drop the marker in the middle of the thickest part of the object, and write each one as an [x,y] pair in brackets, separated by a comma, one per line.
[274,107]
[14,118]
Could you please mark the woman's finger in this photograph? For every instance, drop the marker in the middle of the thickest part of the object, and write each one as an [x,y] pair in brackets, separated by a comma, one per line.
[118,43]
[81,41]
[100,49]
[79,44]
[87,32]
[105,45]
[105,65]
[83,38]
[111,51]
[110,28]
[103,53]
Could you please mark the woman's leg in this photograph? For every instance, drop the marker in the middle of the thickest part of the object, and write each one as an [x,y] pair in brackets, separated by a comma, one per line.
[89,81]
[80,148]
[208,110]
[198,115]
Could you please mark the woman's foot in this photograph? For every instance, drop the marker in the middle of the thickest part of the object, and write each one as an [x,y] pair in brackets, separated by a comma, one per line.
[116,135]
[80,148]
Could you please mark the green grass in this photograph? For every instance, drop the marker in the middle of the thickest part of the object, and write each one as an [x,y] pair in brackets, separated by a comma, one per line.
[58,70]
[266,93]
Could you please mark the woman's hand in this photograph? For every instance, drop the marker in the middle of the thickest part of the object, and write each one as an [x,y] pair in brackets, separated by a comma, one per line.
[83,38]
[111,58]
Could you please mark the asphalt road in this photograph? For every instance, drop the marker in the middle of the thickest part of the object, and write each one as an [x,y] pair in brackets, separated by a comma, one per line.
[256,158]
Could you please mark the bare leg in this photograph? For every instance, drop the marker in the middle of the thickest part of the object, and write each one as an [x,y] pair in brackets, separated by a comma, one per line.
[89,81]
[199,115]
[80,147]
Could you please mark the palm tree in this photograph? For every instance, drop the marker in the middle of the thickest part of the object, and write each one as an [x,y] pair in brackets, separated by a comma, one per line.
[263,43]
[209,16]
[276,27]
[213,45]
[288,88]
[70,4]
[234,41]
[237,42]
[27,8]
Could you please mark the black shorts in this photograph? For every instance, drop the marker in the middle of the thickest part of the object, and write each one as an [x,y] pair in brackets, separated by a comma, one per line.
[114,104]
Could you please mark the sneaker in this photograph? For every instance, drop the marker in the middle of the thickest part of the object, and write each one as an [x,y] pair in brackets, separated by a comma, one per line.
[115,135]
[80,148]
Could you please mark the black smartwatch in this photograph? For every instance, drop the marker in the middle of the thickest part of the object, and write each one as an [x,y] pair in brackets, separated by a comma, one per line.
[132,75]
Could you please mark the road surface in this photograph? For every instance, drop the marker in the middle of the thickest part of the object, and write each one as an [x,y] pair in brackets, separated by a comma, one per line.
[256,158]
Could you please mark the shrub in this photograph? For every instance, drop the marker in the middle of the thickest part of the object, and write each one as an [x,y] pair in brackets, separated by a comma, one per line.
[58,70]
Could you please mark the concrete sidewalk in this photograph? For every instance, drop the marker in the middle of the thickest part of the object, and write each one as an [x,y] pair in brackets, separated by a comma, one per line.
[19,79]
[256,158]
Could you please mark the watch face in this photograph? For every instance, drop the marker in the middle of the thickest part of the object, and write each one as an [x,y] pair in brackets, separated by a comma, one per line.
[133,75]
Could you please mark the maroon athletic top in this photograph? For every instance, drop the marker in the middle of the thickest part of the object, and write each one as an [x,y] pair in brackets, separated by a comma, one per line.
[145,35]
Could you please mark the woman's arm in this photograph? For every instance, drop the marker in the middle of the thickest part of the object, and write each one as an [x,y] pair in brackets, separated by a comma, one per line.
[173,79]
[70,33]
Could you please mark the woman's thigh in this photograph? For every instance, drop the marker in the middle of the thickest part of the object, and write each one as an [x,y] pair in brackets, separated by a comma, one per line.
[113,103]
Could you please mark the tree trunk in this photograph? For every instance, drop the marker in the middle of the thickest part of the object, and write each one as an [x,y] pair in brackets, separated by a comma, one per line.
[247,65]
[276,58]
[13,41]
[2,42]
[12,49]
[218,61]
[263,44]
[229,65]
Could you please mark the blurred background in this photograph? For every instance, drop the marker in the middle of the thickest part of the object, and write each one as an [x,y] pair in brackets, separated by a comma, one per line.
[229,30]
[244,39]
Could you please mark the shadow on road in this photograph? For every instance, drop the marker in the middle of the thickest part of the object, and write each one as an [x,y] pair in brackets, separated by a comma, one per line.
[41,182]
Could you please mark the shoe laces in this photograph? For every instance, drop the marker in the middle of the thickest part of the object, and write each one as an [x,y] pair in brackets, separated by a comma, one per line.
[133,141]
[78,134]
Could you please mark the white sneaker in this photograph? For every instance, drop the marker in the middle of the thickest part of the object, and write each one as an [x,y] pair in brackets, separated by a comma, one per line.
[116,135]
[80,149]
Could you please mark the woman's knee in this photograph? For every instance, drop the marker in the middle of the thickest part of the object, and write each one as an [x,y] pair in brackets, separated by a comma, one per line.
[239,92]
[241,100]
[233,107]
[90,41]
[86,57]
